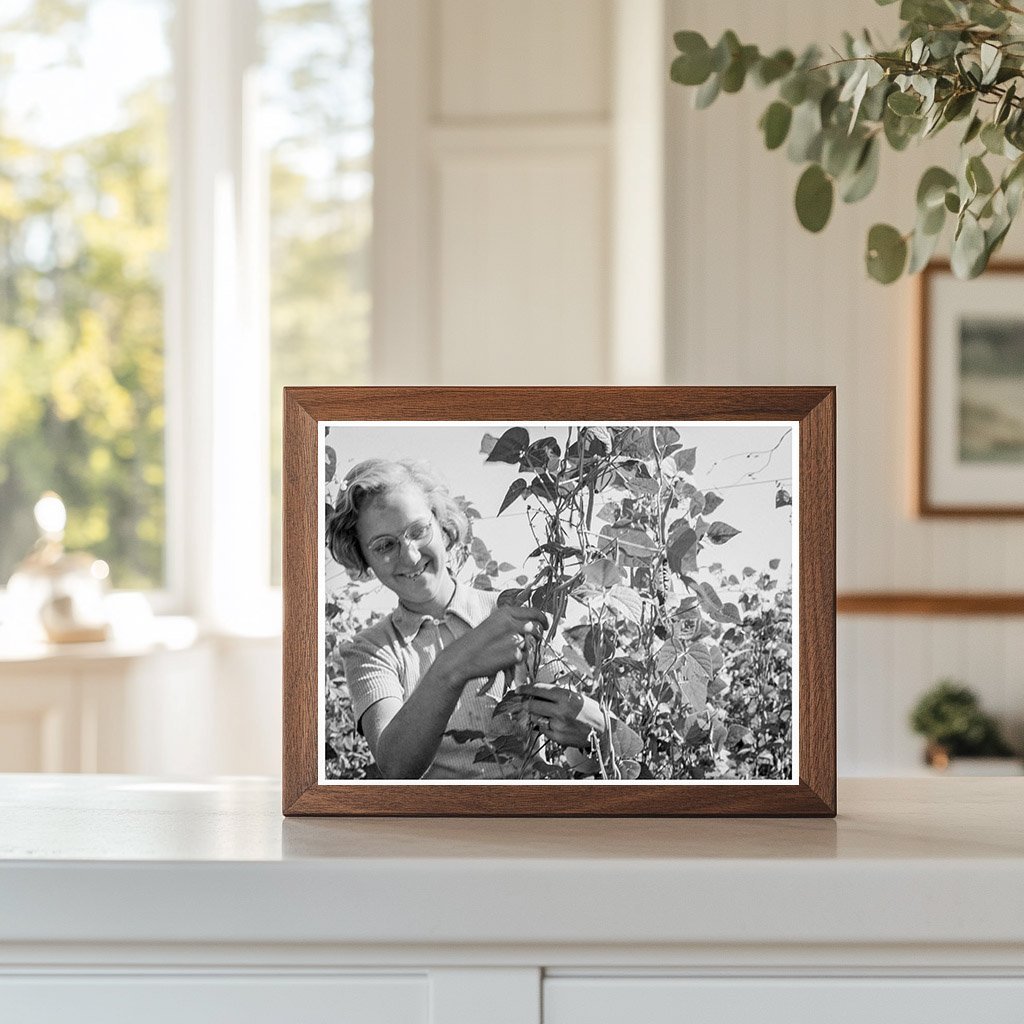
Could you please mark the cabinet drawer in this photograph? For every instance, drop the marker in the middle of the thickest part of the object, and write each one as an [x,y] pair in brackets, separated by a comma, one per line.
[569,1000]
[223,999]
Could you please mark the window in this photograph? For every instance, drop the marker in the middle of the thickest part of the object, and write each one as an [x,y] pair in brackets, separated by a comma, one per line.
[83,236]
[185,219]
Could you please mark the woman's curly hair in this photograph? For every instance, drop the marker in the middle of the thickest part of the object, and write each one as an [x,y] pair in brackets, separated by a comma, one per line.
[374,477]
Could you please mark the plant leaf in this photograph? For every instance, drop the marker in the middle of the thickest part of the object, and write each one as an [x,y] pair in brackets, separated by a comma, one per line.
[931,191]
[805,133]
[603,572]
[922,246]
[516,488]
[539,455]
[693,65]
[993,138]
[775,124]
[903,103]
[886,255]
[707,93]
[665,436]
[771,69]
[968,248]
[865,174]
[978,176]
[711,502]
[626,601]
[682,548]
[685,459]
[510,446]
[814,198]
[719,532]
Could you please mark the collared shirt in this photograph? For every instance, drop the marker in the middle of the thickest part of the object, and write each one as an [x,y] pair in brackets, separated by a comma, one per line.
[389,658]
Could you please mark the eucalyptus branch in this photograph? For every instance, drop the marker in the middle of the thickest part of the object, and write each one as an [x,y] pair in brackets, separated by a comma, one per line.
[833,117]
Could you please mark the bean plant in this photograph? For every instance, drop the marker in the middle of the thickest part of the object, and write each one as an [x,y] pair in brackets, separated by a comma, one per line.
[635,624]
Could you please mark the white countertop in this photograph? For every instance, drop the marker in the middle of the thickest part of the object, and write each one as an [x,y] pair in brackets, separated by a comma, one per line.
[123,859]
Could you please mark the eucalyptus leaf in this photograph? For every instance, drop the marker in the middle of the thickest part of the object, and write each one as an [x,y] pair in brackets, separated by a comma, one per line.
[1005,105]
[944,44]
[886,254]
[814,193]
[899,130]
[958,106]
[922,248]
[771,69]
[973,130]
[994,235]
[840,152]
[805,133]
[985,14]
[978,176]
[968,247]
[991,60]
[707,93]
[931,191]
[693,65]
[775,124]
[925,87]
[865,173]
[873,106]
[1013,186]
[931,222]
[794,89]
[903,103]
[735,74]
[993,138]
[725,50]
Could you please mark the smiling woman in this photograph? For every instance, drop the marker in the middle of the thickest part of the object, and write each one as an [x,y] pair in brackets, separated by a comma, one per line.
[424,681]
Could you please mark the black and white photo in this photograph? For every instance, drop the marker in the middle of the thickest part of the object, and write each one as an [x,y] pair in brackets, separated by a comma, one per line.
[540,602]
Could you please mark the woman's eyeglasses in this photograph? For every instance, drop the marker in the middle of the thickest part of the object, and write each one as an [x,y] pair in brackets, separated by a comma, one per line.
[387,548]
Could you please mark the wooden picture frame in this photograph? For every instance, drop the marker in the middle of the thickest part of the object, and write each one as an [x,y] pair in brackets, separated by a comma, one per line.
[969,448]
[807,415]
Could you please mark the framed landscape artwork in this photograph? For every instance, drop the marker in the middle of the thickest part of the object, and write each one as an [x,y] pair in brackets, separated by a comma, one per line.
[970,450]
[559,601]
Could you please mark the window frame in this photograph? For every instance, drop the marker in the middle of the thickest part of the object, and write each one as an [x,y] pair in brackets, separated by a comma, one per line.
[217,349]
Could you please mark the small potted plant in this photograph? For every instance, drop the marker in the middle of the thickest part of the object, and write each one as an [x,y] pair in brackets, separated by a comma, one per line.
[950,717]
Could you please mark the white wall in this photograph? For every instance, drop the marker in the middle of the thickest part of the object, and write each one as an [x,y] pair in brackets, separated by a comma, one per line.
[752,298]
[505,132]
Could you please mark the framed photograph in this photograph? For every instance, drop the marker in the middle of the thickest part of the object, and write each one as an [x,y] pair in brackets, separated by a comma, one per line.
[970,450]
[559,601]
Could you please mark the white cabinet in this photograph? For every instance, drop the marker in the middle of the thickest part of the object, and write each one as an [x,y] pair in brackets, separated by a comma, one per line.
[171,704]
[127,898]
[824,1000]
[98,707]
[202,999]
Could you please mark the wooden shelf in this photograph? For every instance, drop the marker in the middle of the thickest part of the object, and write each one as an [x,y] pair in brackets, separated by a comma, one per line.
[928,603]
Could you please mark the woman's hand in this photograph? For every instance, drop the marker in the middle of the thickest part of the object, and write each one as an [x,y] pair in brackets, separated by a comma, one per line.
[562,715]
[498,643]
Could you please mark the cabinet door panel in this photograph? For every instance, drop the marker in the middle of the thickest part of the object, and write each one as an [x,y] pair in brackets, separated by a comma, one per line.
[784,1000]
[202,999]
